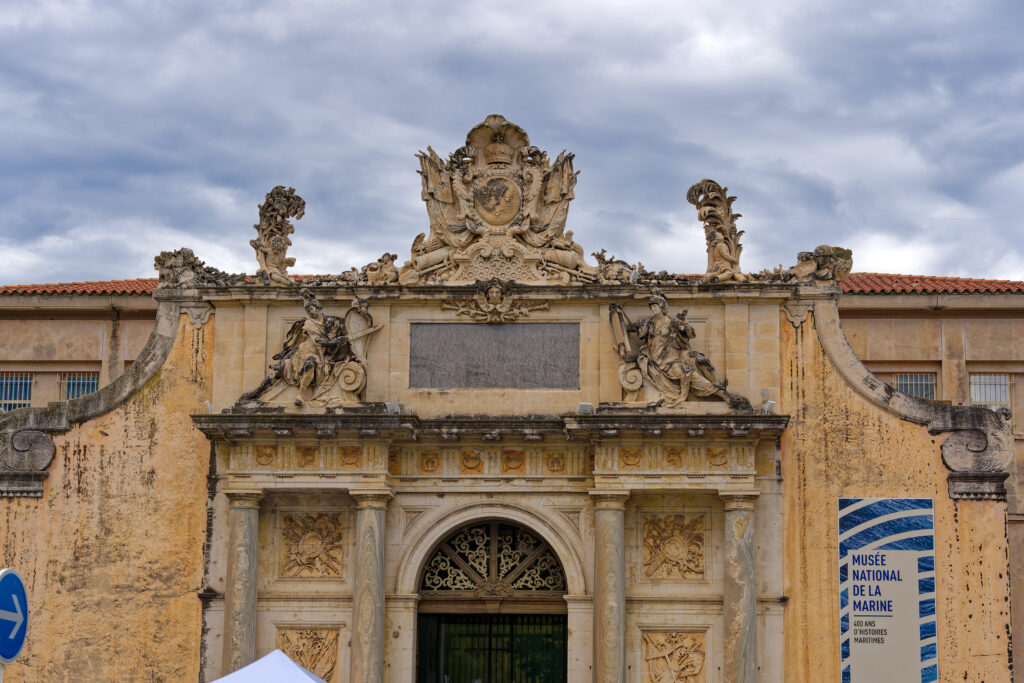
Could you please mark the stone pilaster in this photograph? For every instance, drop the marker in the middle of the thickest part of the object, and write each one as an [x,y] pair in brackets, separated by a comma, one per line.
[609,586]
[368,595]
[740,653]
[240,597]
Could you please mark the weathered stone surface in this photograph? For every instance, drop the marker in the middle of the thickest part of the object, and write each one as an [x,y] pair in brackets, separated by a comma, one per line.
[521,356]
[112,554]
[368,594]
[840,444]
[740,612]
[240,597]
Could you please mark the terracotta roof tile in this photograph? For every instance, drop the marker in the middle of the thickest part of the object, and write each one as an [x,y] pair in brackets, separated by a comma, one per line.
[855,283]
[887,283]
[107,287]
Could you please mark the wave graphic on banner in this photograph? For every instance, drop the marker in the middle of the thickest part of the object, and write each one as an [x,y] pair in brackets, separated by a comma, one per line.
[867,524]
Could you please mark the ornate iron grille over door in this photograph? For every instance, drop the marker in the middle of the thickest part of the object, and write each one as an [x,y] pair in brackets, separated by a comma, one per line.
[492,648]
[493,567]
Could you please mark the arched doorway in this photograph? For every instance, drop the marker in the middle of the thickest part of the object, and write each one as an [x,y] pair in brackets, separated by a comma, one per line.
[492,609]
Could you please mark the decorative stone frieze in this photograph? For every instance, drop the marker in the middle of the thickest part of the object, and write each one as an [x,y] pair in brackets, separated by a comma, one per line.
[673,545]
[314,649]
[312,545]
[494,302]
[674,657]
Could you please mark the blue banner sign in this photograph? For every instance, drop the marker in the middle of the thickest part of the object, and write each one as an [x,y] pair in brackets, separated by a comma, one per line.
[887,590]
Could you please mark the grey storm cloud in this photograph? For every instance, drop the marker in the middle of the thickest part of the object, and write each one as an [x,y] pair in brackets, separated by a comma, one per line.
[890,127]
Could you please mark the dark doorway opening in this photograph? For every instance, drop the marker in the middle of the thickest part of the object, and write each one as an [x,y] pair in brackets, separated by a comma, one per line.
[492,648]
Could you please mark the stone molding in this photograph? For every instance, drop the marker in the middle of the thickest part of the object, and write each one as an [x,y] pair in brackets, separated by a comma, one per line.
[244,499]
[740,500]
[609,500]
[372,500]
[980,446]
[26,435]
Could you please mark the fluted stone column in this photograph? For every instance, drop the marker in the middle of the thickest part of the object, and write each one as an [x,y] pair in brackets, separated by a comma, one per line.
[609,586]
[368,594]
[740,588]
[240,597]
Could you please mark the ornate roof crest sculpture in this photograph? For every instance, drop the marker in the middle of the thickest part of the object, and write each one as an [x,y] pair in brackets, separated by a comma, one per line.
[493,303]
[714,209]
[497,208]
[323,360]
[272,241]
[182,269]
[656,362]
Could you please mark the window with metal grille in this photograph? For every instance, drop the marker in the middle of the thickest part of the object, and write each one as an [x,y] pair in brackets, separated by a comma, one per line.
[15,390]
[921,385]
[990,389]
[74,384]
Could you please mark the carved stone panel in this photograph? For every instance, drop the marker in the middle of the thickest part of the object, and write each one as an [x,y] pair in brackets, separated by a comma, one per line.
[673,545]
[350,457]
[471,462]
[717,457]
[430,462]
[314,649]
[394,460]
[306,456]
[674,657]
[312,545]
[513,462]
[498,356]
[554,462]
[631,457]
[265,455]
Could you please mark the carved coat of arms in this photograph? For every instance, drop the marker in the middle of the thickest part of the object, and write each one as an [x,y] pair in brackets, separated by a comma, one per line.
[497,208]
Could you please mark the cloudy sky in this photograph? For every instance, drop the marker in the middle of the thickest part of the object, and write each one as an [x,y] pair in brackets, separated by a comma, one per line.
[895,128]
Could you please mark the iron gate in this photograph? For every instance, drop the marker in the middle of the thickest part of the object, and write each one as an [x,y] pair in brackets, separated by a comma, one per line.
[492,648]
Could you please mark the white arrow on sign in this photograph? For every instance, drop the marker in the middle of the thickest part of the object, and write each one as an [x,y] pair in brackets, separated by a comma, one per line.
[16,616]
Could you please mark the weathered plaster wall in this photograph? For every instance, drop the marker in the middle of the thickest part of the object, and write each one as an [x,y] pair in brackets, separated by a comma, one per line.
[840,444]
[112,552]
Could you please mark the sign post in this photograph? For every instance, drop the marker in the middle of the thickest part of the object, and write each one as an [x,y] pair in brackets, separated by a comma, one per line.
[887,590]
[13,617]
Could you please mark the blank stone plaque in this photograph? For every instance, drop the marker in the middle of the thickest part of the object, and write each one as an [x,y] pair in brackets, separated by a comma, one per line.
[494,356]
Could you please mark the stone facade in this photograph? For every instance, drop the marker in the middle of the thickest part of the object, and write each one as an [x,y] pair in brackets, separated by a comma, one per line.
[671,491]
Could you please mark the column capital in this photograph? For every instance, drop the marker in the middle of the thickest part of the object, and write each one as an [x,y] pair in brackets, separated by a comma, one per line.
[609,499]
[739,500]
[244,499]
[372,499]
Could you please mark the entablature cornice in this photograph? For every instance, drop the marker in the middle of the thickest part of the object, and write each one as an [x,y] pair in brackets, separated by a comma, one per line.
[602,426]
[754,291]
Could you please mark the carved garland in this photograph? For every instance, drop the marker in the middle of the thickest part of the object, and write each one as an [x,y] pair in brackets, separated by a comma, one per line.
[493,560]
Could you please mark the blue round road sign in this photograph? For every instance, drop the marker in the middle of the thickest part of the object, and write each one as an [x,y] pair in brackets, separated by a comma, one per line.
[13,615]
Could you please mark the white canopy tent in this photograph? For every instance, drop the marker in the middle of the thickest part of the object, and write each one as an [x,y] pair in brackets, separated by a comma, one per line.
[276,667]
